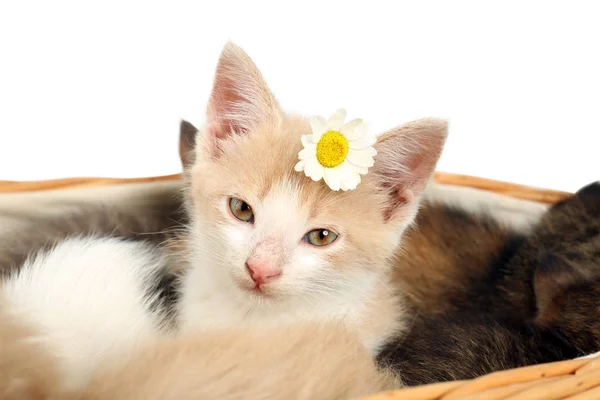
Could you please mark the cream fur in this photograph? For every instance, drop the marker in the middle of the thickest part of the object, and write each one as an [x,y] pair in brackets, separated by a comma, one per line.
[306,361]
[28,370]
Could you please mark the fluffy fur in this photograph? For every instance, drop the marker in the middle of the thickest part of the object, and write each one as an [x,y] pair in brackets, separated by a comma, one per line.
[447,255]
[38,221]
[90,299]
[539,306]
[305,361]
[28,371]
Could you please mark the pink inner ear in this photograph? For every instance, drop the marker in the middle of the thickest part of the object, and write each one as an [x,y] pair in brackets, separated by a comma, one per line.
[406,159]
[212,135]
[228,110]
[398,199]
[405,196]
[240,98]
[420,164]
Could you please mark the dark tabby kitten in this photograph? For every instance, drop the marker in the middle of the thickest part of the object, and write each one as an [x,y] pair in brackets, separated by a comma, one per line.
[540,305]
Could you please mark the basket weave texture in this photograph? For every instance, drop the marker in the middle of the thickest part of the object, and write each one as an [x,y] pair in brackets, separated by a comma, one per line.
[573,379]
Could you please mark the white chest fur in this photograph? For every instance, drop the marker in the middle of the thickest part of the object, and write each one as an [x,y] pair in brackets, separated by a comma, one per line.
[210,300]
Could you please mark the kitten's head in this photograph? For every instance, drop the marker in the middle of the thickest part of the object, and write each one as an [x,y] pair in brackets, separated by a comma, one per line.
[567,278]
[270,231]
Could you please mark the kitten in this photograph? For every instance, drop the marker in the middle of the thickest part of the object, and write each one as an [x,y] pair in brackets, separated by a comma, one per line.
[92,298]
[560,265]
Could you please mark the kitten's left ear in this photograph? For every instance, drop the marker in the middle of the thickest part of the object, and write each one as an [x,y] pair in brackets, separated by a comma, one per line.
[240,99]
[406,159]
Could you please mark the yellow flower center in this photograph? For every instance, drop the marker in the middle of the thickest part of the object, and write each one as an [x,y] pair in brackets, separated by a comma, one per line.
[332,149]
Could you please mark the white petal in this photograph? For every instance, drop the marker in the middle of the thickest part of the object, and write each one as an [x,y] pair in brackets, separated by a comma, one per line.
[362,170]
[349,176]
[351,183]
[345,186]
[307,140]
[348,169]
[362,130]
[361,158]
[331,178]
[348,129]
[299,166]
[319,127]
[345,168]
[310,151]
[362,142]
[313,169]
[337,120]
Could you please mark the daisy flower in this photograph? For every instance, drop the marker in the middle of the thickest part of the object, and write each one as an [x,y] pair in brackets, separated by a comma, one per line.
[336,152]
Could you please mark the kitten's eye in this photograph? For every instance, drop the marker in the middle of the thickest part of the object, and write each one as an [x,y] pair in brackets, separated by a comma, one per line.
[241,210]
[320,237]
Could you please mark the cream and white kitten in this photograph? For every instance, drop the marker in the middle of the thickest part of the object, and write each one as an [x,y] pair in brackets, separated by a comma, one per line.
[243,163]
[245,256]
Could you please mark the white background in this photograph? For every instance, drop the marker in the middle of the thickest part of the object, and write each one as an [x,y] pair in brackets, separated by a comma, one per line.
[97,88]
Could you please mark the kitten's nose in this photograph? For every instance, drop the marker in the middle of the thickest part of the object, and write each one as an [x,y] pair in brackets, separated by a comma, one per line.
[262,273]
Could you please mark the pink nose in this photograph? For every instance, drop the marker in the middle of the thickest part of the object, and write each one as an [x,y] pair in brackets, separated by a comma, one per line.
[261,273]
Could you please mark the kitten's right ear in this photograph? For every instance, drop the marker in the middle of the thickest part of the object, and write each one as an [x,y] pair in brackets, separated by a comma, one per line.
[553,276]
[406,159]
[240,99]
[187,143]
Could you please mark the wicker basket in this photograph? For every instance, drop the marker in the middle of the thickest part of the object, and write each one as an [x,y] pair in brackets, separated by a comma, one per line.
[572,379]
